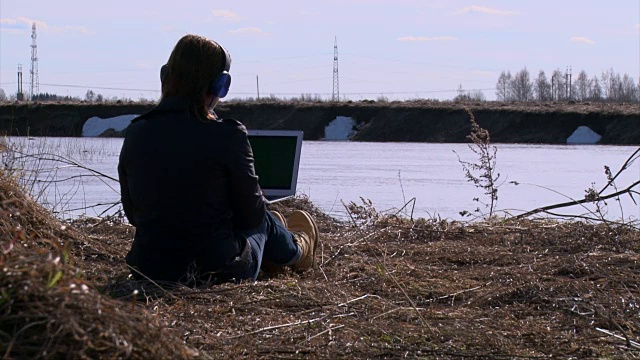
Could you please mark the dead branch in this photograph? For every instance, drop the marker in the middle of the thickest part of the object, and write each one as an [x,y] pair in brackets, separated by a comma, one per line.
[628,190]
[303,322]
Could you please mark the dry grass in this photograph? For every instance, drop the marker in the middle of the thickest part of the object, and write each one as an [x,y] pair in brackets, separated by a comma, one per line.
[48,306]
[386,288]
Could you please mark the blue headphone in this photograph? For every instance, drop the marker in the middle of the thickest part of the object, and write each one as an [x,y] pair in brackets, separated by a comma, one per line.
[220,84]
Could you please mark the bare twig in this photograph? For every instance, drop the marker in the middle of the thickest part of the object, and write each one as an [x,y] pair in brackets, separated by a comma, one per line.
[304,322]
[323,332]
[413,202]
[624,166]
[630,343]
[628,189]
[61,159]
[463,291]
[358,299]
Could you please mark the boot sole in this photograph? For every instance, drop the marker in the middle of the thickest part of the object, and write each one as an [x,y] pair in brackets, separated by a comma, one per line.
[317,240]
[315,243]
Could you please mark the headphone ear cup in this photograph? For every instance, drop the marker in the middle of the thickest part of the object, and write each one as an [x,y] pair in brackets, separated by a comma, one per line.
[220,85]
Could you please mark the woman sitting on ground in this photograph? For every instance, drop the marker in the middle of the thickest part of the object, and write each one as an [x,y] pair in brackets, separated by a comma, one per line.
[189,186]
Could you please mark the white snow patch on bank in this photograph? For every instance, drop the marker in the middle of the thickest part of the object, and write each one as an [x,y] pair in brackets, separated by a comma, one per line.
[341,128]
[95,126]
[583,135]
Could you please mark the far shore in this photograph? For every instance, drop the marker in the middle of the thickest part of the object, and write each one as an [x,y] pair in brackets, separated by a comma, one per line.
[377,121]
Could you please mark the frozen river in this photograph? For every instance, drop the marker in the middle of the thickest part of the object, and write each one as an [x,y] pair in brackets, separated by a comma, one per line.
[388,174]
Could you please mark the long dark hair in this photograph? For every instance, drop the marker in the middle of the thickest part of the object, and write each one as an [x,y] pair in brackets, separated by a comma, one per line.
[192,65]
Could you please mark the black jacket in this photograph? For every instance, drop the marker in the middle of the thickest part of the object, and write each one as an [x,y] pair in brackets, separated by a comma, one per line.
[187,185]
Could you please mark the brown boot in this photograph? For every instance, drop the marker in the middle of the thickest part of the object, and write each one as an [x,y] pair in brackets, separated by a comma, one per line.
[305,234]
[280,218]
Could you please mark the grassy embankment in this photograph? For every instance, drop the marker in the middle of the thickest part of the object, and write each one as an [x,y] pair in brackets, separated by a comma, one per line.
[386,287]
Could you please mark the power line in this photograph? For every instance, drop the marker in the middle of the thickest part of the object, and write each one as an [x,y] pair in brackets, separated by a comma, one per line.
[414,92]
[272,93]
[418,62]
[300,80]
[373,93]
[97,87]
[252,93]
[280,58]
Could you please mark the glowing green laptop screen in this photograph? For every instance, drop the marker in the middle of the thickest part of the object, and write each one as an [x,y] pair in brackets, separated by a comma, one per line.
[277,157]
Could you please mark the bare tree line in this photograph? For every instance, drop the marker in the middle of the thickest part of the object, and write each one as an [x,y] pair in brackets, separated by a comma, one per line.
[90,97]
[560,86]
[609,86]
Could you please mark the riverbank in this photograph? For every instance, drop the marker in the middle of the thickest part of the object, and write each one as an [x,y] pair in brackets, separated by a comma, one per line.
[415,121]
[386,287]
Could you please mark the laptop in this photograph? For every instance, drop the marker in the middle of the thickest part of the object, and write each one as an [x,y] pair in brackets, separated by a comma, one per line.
[277,159]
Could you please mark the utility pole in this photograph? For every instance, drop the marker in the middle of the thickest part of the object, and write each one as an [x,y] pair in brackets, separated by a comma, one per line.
[570,87]
[566,82]
[20,94]
[504,91]
[336,80]
[258,87]
[35,82]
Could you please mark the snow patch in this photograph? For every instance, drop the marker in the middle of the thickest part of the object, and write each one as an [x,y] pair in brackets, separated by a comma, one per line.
[341,128]
[583,135]
[95,126]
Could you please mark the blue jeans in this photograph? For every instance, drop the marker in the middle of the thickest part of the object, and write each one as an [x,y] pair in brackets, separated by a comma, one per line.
[271,242]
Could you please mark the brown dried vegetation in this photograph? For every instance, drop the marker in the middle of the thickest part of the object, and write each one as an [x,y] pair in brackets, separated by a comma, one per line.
[386,287]
[50,307]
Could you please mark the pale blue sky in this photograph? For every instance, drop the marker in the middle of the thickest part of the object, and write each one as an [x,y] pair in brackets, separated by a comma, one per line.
[400,49]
